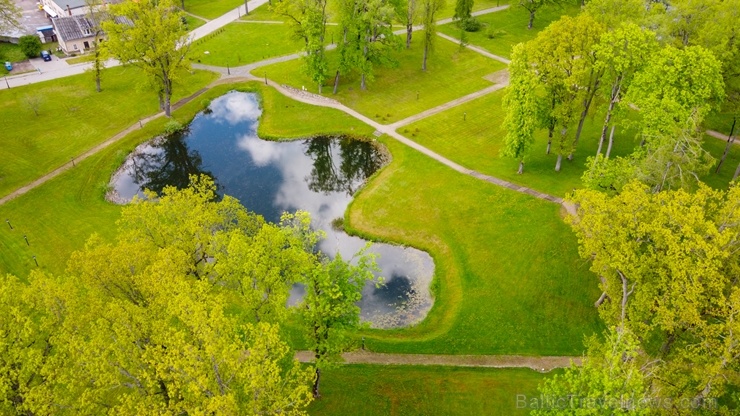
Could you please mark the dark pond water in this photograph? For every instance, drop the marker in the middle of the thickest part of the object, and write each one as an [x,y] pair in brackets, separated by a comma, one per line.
[317,175]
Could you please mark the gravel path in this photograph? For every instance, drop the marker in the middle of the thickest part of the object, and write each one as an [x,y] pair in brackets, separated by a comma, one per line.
[541,364]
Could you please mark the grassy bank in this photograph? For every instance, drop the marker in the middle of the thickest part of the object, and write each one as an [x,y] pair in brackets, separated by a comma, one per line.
[70,117]
[244,43]
[60,215]
[361,390]
[508,277]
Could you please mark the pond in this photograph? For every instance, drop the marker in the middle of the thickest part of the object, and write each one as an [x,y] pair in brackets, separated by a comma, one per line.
[318,175]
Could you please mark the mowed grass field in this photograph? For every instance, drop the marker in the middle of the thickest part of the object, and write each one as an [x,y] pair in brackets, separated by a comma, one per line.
[244,43]
[508,277]
[370,390]
[448,10]
[472,134]
[211,9]
[396,93]
[59,216]
[511,25]
[73,118]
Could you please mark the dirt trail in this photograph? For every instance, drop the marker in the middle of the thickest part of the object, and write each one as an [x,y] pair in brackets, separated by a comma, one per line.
[541,364]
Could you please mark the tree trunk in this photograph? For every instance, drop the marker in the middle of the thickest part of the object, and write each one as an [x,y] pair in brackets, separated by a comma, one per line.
[409,32]
[246,8]
[316,384]
[161,100]
[531,20]
[97,80]
[601,299]
[558,163]
[336,82]
[549,139]
[611,141]
[586,106]
[183,5]
[362,82]
[737,172]
[521,167]
[320,87]
[615,92]
[167,96]
[424,62]
[730,141]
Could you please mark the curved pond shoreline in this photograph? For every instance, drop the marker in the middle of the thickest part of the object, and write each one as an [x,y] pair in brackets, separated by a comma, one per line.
[319,175]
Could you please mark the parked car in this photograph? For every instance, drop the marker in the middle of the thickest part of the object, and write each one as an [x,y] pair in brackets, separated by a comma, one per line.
[8,66]
[46,55]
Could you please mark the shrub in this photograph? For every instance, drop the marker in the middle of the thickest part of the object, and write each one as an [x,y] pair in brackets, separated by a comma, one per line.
[30,45]
[471,24]
[492,32]
[172,127]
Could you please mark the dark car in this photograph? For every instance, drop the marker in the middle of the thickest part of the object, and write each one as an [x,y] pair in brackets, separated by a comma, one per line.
[46,55]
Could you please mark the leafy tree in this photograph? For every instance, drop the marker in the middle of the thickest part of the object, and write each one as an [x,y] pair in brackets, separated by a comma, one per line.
[521,108]
[463,9]
[149,34]
[721,35]
[329,310]
[368,38]
[96,15]
[429,9]
[614,13]
[676,85]
[683,20]
[533,5]
[563,58]
[622,52]
[30,45]
[668,266]
[406,13]
[611,380]
[9,14]
[314,28]
[32,314]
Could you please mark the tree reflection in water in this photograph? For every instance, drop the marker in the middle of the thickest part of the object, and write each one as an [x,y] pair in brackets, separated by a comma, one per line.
[168,162]
[357,161]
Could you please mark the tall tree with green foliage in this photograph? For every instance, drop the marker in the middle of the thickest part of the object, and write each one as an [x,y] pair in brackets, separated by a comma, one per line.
[429,9]
[532,6]
[368,39]
[30,45]
[463,9]
[150,35]
[406,13]
[314,28]
[622,53]
[329,311]
[564,60]
[96,14]
[521,107]
[668,266]
[611,380]
[675,86]
[614,13]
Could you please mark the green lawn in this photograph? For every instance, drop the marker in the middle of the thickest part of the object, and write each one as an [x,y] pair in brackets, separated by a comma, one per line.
[60,215]
[193,22]
[476,144]
[365,390]
[80,59]
[513,22]
[72,119]
[244,43]
[211,9]
[508,277]
[393,94]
